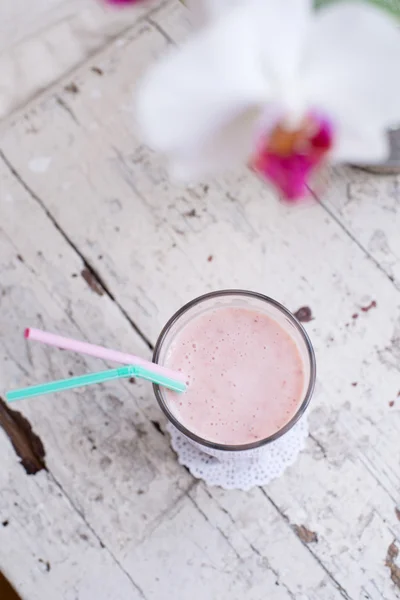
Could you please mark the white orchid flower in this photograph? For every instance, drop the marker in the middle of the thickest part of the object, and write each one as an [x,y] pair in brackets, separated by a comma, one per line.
[275,85]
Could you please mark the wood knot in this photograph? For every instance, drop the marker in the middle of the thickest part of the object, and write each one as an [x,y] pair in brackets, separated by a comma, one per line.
[306,536]
[392,554]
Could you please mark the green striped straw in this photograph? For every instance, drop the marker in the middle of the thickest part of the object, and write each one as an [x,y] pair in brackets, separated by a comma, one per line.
[84,380]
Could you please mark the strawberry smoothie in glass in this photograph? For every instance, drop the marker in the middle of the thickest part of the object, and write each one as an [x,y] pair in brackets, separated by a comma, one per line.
[250,370]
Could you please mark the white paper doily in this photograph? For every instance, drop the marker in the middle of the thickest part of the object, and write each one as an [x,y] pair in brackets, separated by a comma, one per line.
[238,471]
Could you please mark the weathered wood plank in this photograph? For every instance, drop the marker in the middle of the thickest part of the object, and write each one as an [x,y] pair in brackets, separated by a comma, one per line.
[368,207]
[252,525]
[204,562]
[46,549]
[39,45]
[156,246]
[102,449]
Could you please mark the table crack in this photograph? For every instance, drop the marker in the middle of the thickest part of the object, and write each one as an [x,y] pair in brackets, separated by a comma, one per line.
[203,514]
[96,535]
[160,30]
[355,240]
[333,579]
[87,265]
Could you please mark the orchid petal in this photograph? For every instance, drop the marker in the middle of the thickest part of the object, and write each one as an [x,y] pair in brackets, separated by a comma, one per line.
[228,148]
[351,72]
[196,90]
[281,28]
[358,144]
[194,102]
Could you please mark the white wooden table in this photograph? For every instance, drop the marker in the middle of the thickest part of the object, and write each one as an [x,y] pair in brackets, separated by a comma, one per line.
[97,244]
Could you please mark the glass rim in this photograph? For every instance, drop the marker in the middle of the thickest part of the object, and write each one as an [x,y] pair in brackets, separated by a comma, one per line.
[301,409]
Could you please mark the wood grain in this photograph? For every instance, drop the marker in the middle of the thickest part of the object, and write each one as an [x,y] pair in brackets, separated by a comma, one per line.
[105,207]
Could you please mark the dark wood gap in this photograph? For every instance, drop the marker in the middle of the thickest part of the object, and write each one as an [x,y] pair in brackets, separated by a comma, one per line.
[7,592]
[26,443]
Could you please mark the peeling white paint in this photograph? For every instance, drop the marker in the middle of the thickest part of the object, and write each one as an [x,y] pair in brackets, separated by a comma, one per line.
[40,164]
[169,535]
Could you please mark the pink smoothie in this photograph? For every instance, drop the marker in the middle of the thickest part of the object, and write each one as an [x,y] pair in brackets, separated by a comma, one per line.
[245,375]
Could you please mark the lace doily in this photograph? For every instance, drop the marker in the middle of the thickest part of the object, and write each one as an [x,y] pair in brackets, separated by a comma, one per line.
[241,471]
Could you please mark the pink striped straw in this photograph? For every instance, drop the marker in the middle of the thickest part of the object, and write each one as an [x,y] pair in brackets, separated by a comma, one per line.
[100,352]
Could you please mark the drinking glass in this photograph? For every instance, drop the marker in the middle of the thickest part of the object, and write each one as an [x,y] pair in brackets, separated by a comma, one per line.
[237,299]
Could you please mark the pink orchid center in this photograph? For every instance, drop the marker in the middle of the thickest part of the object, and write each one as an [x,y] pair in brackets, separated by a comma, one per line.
[289,157]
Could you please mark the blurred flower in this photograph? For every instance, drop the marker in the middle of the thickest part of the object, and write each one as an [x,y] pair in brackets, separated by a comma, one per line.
[278,86]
